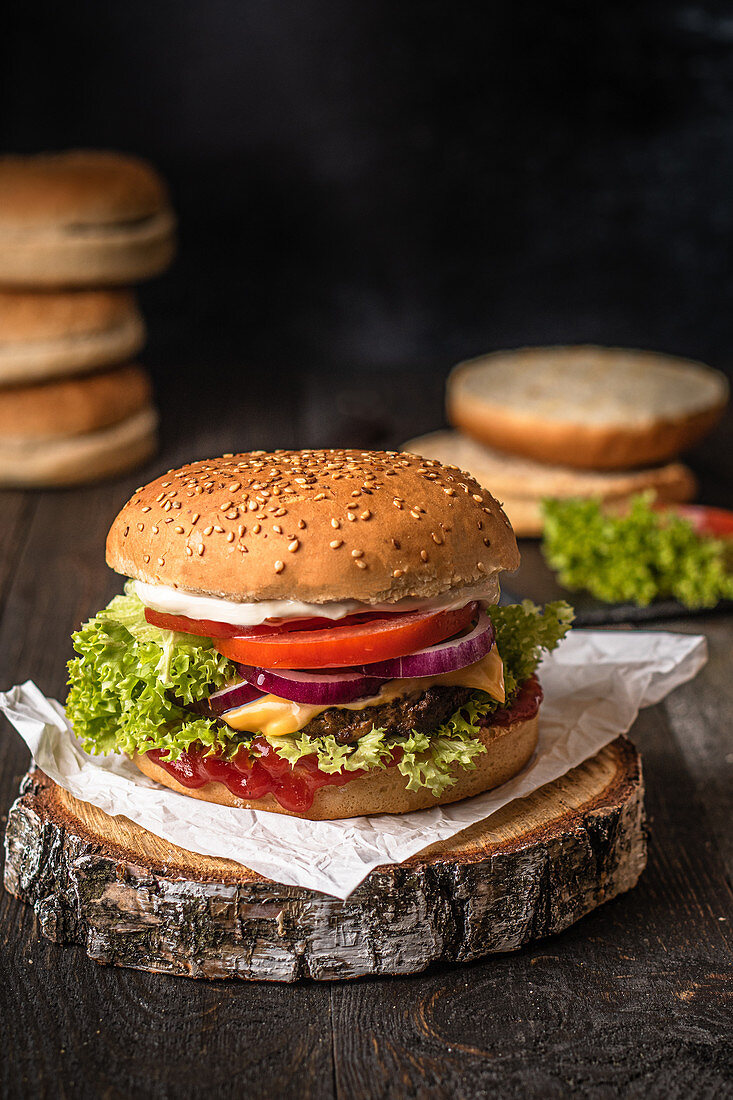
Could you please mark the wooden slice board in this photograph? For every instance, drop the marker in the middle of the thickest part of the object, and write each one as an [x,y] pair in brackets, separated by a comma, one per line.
[135,900]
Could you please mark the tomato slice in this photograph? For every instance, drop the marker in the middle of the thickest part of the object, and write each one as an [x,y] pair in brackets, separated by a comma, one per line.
[346,645]
[708,522]
[204,628]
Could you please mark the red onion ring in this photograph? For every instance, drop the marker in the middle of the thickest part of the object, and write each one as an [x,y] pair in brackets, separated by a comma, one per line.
[448,656]
[236,695]
[326,688]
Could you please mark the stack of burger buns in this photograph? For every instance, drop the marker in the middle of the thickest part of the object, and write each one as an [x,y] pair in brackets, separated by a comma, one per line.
[566,422]
[75,229]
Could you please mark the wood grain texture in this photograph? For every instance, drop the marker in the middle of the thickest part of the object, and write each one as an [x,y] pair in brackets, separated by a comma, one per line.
[131,899]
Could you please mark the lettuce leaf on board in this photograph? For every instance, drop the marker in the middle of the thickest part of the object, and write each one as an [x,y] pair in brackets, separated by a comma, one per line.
[131,686]
[637,557]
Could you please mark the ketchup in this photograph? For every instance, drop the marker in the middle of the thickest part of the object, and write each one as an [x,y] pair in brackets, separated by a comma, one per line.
[253,775]
[524,707]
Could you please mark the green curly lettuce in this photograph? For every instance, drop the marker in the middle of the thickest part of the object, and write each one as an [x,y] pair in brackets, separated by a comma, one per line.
[131,686]
[131,683]
[638,557]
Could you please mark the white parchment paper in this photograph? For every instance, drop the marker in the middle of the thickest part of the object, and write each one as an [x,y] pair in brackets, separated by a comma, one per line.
[595,683]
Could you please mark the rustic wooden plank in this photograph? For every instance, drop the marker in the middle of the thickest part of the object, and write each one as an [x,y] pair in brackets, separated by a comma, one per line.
[132,899]
[699,715]
[634,1000]
[72,1028]
[17,509]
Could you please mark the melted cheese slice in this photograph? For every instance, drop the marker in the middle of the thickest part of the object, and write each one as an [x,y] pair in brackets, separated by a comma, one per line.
[275,717]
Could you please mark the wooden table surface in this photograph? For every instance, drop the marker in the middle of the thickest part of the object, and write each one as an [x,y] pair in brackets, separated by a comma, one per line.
[634,1000]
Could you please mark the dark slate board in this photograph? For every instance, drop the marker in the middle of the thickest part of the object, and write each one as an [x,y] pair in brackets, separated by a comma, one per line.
[534,580]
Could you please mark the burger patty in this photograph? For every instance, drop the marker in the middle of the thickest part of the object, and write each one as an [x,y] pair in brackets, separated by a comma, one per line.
[422,713]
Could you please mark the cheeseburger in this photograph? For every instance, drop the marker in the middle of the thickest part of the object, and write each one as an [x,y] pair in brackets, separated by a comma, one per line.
[314,633]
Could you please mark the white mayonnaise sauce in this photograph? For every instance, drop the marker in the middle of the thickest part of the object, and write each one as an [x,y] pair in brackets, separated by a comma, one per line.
[175,601]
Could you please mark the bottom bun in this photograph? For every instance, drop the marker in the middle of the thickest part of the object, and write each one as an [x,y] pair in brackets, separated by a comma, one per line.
[80,459]
[383,792]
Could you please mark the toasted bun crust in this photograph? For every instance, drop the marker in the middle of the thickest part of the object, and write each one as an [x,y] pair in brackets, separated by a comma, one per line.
[80,459]
[314,526]
[80,187]
[383,792]
[586,407]
[520,483]
[73,406]
[46,335]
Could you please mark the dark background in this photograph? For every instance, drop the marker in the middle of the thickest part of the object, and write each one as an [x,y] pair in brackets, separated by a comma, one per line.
[407,183]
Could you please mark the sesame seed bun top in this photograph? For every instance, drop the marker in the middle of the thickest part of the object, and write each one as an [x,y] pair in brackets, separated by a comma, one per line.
[81,187]
[315,526]
[28,317]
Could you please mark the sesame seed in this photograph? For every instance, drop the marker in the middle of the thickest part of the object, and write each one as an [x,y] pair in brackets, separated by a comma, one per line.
[208,530]
[436,538]
[415,514]
[424,555]
[351,516]
[167,506]
[141,526]
[178,529]
[195,517]
[145,508]
[279,566]
[201,549]
[336,543]
[230,537]
[155,528]
[257,528]
[335,523]
[219,530]
[189,551]
[366,514]
[241,529]
[449,492]
[357,553]
[293,546]
[161,561]
[360,563]
[301,524]
[481,567]
[397,572]
[477,498]
[253,505]
[277,528]
[233,514]
[320,496]
[146,558]
[487,542]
